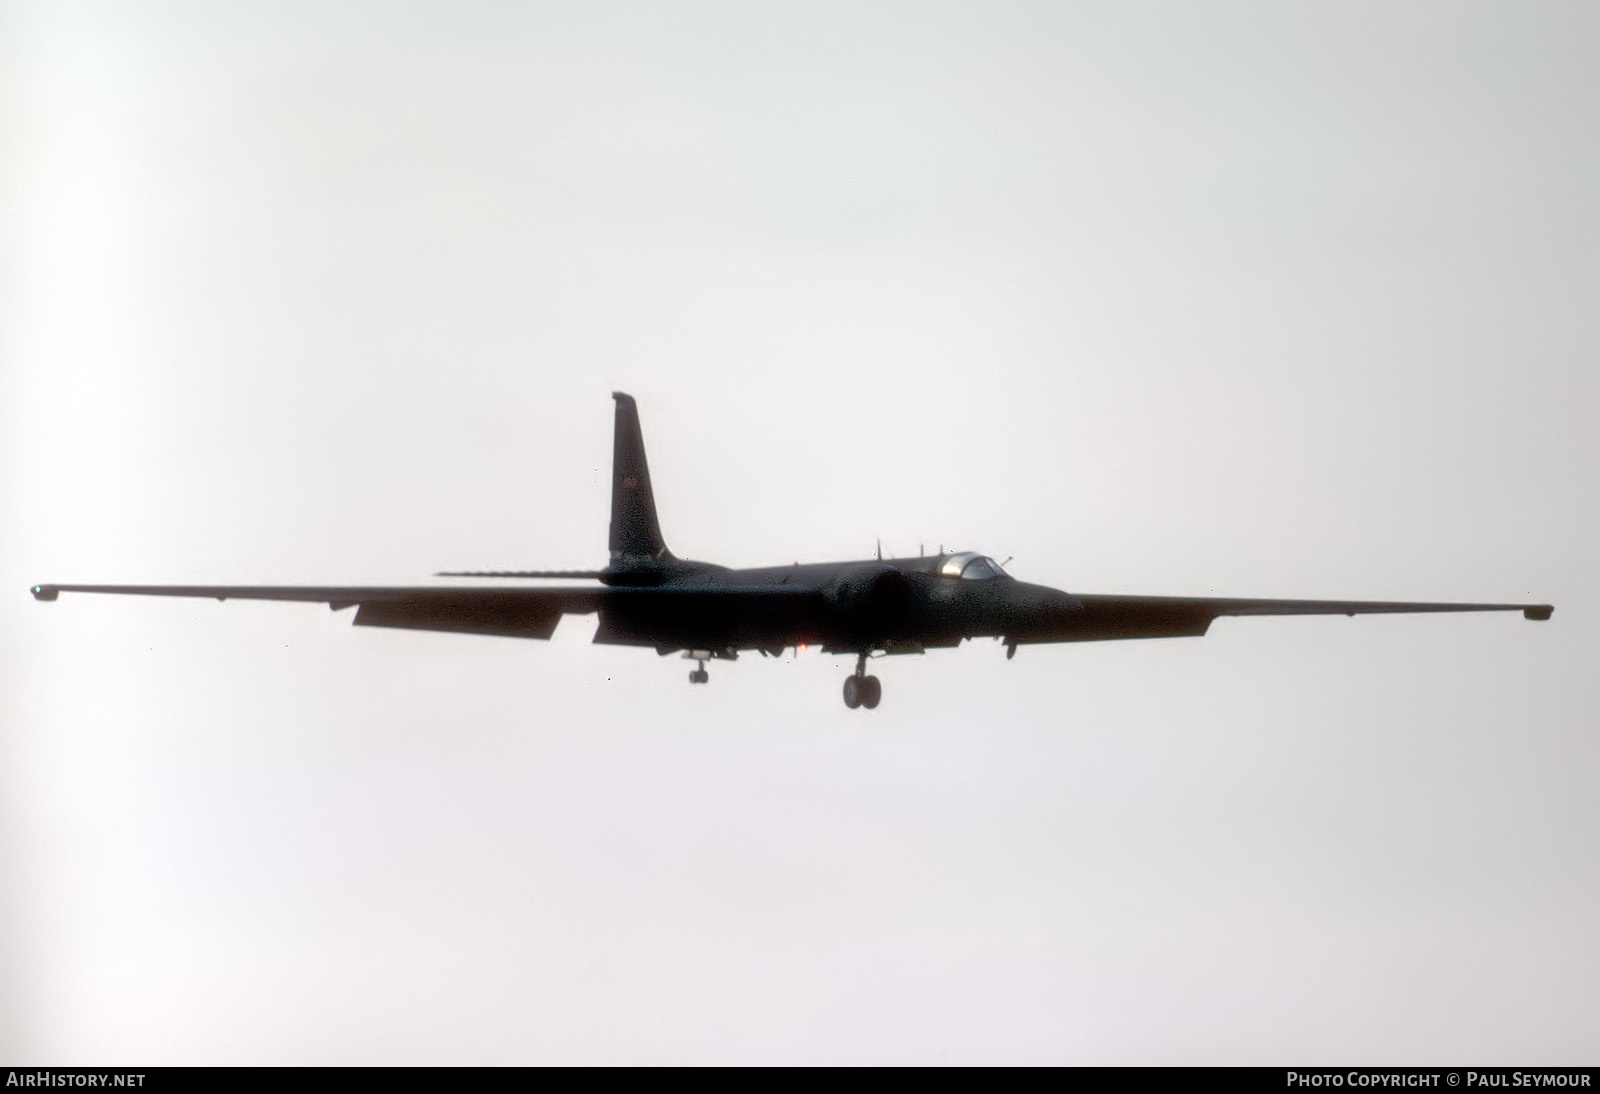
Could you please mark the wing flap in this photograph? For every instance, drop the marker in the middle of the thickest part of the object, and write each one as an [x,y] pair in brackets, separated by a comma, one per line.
[509,617]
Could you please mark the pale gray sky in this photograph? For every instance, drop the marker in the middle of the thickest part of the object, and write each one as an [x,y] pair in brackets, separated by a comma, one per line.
[1238,299]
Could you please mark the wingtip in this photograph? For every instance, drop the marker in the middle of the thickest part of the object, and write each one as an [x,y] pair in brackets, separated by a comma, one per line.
[1537,611]
[45,592]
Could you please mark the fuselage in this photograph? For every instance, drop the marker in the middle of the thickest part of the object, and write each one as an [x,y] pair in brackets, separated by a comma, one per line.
[896,605]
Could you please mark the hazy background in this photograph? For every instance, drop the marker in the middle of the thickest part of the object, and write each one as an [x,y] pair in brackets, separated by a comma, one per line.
[1233,299]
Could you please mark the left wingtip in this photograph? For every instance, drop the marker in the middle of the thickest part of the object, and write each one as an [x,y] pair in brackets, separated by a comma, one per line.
[45,592]
[1537,611]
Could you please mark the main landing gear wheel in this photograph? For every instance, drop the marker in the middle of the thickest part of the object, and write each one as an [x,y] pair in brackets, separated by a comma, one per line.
[861,690]
[871,691]
[852,691]
[699,676]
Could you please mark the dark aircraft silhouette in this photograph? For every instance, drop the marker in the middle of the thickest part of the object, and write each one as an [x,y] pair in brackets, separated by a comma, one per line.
[649,597]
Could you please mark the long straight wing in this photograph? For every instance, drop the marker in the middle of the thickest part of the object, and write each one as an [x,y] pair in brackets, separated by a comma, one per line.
[515,613]
[1111,617]
[520,612]
[713,617]
[338,596]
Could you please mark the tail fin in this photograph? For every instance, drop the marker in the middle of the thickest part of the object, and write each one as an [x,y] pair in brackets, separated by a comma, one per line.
[635,532]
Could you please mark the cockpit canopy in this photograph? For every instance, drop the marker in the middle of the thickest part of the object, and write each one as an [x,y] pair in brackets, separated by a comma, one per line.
[971,566]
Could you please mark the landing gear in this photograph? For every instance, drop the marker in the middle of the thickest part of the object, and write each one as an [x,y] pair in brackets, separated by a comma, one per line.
[861,690]
[871,691]
[699,675]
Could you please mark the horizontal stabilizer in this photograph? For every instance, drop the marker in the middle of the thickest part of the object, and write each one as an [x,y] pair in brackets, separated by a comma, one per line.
[518,573]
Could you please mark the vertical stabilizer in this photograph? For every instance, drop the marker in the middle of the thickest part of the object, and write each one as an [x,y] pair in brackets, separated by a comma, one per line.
[635,532]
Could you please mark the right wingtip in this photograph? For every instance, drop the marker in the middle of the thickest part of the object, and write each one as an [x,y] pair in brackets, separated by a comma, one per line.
[1538,611]
[45,592]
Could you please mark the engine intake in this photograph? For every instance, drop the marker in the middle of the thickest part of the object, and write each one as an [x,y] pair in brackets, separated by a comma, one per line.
[874,601]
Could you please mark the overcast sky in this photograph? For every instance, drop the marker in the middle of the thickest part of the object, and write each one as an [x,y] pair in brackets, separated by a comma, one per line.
[1220,299]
